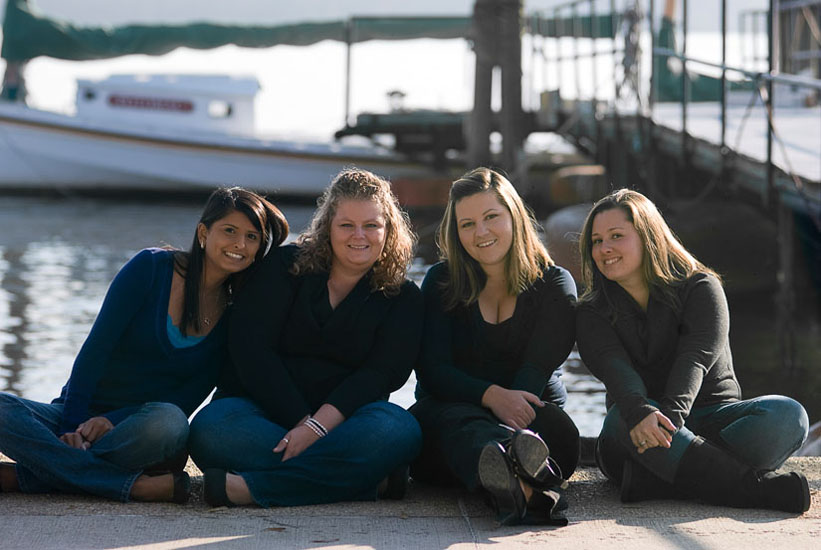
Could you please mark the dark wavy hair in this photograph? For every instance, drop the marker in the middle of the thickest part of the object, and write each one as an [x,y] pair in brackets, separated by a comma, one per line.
[315,253]
[525,261]
[263,215]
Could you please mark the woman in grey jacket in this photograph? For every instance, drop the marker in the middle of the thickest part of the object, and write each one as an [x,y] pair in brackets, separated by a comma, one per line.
[653,325]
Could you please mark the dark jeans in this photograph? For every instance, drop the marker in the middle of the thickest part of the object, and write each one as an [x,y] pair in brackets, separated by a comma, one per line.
[155,433]
[455,433]
[234,434]
[761,432]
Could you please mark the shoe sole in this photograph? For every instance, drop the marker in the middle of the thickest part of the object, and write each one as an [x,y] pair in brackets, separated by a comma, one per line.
[532,456]
[498,479]
[530,452]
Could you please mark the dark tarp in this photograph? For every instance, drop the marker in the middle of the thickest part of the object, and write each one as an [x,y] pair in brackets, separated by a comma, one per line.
[28,34]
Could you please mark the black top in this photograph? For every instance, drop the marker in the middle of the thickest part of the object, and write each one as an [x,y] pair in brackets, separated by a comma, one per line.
[292,352]
[463,355]
[679,359]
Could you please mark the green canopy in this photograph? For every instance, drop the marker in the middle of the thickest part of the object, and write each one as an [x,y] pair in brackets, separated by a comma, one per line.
[28,34]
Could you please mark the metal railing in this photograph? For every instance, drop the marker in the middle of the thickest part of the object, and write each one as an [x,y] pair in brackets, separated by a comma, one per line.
[626,56]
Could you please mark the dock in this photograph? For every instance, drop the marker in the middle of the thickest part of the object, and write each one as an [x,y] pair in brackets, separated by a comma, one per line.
[428,518]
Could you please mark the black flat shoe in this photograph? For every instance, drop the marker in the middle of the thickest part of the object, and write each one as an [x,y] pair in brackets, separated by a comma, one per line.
[497,477]
[8,472]
[395,486]
[182,487]
[533,462]
[213,488]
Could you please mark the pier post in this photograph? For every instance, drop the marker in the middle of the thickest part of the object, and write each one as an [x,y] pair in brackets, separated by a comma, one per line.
[496,42]
[786,280]
[510,60]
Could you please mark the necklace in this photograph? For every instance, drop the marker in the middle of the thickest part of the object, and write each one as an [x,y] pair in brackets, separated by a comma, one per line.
[221,303]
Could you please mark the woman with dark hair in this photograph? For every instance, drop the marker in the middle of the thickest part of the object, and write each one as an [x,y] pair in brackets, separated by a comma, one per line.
[653,325]
[498,324]
[326,329]
[120,426]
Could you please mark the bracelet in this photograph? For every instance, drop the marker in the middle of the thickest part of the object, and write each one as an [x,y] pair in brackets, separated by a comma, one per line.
[316,426]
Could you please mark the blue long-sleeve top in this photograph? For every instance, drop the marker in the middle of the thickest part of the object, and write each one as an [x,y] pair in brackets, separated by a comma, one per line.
[462,355]
[127,359]
[292,352]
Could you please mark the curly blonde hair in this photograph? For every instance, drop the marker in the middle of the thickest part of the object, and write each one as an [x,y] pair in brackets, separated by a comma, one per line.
[315,253]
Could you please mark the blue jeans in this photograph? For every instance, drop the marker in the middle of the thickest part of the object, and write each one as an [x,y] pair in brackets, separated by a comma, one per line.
[233,434]
[761,432]
[28,435]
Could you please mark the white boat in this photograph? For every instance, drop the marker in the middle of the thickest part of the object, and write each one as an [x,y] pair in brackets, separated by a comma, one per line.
[172,133]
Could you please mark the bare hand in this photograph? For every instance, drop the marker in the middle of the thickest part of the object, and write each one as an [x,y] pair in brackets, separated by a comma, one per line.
[296,441]
[95,428]
[74,439]
[655,430]
[512,407]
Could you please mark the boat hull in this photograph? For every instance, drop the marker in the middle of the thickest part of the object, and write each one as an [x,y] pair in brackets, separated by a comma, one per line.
[42,150]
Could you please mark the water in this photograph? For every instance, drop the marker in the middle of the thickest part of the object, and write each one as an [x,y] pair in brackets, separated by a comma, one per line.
[58,256]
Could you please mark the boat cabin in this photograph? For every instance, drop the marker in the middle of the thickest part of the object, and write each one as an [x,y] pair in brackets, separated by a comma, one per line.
[218,103]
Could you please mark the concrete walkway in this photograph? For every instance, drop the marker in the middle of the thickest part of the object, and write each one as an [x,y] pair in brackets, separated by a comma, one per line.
[427,519]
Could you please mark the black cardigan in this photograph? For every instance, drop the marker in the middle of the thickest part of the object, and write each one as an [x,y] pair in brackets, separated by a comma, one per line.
[462,355]
[679,358]
[292,352]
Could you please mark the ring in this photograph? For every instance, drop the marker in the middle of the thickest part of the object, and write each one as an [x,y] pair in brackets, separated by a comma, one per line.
[643,444]
[286,440]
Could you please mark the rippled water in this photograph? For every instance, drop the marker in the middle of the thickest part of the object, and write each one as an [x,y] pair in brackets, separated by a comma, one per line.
[58,256]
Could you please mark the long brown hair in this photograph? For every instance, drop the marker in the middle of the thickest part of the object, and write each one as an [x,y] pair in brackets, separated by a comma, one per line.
[315,253]
[665,262]
[263,215]
[525,261]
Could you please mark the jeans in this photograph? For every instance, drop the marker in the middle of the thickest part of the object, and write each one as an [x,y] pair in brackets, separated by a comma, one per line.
[28,435]
[761,432]
[455,434]
[234,434]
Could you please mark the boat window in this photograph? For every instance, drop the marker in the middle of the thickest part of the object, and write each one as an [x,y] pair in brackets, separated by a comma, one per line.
[219,109]
[89,94]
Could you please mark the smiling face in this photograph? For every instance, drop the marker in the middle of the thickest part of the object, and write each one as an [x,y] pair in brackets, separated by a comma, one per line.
[485,228]
[358,231]
[231,243]
[617,248]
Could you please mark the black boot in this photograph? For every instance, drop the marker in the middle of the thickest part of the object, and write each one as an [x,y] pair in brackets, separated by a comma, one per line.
[532,461]
[711,474]
[638,484]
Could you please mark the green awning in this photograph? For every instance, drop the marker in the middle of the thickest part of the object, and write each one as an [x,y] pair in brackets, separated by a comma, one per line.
[28,34]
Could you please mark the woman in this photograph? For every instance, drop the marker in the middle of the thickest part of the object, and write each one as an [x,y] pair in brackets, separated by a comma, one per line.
[325,331]
[498,324]
[153,355]
[653,326]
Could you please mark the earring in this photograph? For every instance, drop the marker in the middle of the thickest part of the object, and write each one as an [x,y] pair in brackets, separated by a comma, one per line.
[202,245]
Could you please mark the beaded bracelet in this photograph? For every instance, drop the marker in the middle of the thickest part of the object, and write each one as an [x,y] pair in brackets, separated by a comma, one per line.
[316,426]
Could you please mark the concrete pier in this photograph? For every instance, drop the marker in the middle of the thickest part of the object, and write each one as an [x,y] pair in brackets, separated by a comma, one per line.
[428,518]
